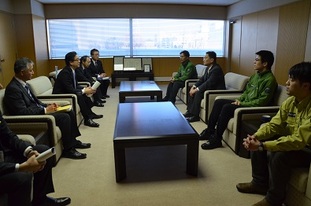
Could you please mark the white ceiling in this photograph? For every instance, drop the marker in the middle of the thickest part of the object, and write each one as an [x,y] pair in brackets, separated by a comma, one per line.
[198,2]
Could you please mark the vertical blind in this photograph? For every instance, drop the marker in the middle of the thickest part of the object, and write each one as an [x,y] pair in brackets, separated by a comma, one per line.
[135,37]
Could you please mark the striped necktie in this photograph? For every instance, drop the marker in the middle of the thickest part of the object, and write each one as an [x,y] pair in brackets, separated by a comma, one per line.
[74,79]
[31,96]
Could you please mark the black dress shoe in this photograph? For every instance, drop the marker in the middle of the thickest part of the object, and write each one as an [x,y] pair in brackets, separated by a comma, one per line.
[81,145]
[91,123]
[102,101]
[98,104]
[211,145]
[205,135]
[58,201]
[188,114]
[74,154]
[96,116]
[193,119]
[107,96]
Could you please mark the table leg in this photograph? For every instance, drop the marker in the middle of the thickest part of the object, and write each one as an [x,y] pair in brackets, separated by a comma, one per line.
[159,97]
[113,81]
[192,158]
[120,164]
[121,98]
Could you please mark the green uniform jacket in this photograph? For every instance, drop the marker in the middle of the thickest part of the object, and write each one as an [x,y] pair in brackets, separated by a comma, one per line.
[188,72]
[259,90]
[292,124]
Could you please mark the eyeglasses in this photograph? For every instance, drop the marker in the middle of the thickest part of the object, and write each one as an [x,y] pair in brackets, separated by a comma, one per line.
[76,60]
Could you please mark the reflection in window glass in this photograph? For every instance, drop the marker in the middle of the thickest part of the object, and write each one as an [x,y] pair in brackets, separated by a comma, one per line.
[135,37]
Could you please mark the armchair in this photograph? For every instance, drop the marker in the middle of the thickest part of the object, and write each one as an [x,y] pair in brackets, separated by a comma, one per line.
[299,186]
[42,87]
[183,93]
[34,125]
[232,134]
[235,85]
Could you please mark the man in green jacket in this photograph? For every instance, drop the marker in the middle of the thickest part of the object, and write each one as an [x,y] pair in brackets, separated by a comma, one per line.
[186,71]
[259,92]
[283,143]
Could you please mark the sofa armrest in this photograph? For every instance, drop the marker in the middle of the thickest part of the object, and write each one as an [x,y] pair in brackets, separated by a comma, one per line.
[84,84]
[188,84]
[71,98]
[244,113]
[308,190]
[33,124]
[210,97]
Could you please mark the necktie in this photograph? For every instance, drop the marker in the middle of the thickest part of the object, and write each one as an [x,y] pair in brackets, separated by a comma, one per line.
[74,79]
[30,95]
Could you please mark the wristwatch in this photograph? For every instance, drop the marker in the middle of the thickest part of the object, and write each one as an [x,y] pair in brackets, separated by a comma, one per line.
[261,148]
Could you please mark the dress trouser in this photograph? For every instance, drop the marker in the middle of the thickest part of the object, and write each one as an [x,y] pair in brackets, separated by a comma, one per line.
[222,112]
[194,103]
[104,86]
[172,90]
[19,185]
[69,133]
[85,105]
[273,170]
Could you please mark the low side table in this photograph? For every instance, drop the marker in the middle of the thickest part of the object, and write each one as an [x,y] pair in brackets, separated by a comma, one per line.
[138,125]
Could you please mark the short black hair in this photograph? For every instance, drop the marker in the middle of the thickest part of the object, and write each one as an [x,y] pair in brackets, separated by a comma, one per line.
[301,72]
[213,55]
[83,59]
[21,64]
[93,50]
[70,57]
[266,56]
[185,52]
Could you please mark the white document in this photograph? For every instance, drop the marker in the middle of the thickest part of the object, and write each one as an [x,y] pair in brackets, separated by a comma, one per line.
[45,155]
[94,86]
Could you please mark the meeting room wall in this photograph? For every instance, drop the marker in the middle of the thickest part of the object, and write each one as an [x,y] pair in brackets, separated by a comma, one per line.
[284,30]
[262,29]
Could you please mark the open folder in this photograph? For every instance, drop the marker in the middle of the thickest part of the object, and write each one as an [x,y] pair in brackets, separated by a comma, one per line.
[65,108]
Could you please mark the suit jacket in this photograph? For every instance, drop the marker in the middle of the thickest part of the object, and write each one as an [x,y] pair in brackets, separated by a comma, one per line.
[83,76]
[64,83]
[9,141]
[18,101]
[212,79]
[95,70]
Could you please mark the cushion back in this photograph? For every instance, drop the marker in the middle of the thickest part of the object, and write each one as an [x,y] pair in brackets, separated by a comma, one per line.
[40,86]
[200,69]
[280,95]
[235,81]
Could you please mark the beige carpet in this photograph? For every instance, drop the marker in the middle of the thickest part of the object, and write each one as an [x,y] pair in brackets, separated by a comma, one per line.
[155,176]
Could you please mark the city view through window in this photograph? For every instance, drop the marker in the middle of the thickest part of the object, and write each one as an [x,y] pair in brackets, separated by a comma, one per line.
[135,37]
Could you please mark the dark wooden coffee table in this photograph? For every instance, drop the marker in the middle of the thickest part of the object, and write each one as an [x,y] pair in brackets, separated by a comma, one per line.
[139,88]
[152,124]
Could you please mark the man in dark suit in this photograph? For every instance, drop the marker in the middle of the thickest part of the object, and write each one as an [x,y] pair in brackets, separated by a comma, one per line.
[66,83]
[19,100]
[96,70]
[22,175]
[83,76]
[212,79]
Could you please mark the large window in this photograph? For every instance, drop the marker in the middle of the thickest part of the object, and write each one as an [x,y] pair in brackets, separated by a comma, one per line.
[135,37]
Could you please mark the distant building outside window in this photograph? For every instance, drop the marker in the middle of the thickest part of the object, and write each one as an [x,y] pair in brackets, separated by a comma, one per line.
[135,37]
